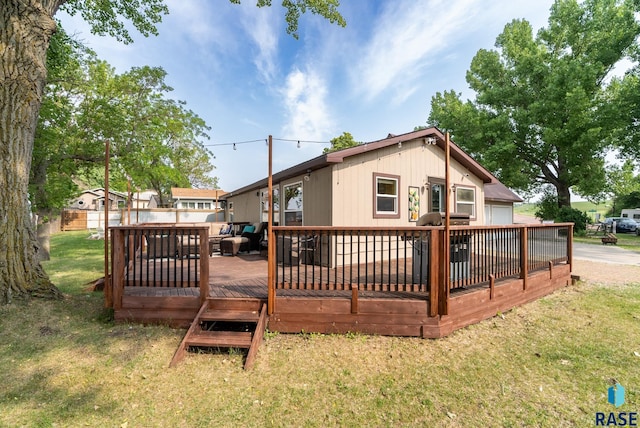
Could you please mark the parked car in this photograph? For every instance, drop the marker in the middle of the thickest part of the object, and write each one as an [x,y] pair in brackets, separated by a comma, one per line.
[610,220]
[626,225]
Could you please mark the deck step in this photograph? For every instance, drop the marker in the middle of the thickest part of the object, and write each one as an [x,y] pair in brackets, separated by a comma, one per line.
[230,315]
[221,339]
[196,336]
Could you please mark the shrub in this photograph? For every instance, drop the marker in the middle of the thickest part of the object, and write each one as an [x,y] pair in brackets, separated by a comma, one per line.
[572,215]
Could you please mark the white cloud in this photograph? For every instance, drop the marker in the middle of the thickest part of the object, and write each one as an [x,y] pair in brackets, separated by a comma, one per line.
[406,39]
[259,23]
[307,114]
[198,22]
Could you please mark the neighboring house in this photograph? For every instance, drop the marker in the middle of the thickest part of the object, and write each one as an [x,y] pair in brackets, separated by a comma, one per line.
[197,199]
[142,200]
[93,200]
[382,183]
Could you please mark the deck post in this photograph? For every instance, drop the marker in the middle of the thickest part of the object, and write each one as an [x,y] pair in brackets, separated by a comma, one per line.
[204,264]
[271,240]
[117,269]
[443,273]
[443,306]
[570,247]
[524,256]
[434,271]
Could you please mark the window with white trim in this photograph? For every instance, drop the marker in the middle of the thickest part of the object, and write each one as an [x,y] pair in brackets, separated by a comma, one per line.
[466,200]
[437,193]
[386,201]
[264,205]
[293,204]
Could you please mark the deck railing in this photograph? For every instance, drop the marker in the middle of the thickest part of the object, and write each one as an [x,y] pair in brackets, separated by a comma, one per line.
[411,258]
[405,259]
[159,255]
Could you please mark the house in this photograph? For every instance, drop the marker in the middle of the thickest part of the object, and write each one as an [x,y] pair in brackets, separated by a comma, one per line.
[197,199]
[389,182]
[93,200]
[145,199]
[358,264]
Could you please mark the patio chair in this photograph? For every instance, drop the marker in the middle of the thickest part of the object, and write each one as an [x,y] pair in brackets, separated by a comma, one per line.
[256,235]
[217,235]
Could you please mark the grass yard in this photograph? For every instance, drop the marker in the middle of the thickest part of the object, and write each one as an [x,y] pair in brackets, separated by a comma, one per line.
[548,363]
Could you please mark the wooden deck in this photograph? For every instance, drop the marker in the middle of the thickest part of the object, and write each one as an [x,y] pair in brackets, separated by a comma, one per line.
[243,278]
[369,287]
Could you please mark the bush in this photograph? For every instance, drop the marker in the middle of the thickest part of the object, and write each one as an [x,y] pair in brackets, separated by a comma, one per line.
[572,215]
[547,209]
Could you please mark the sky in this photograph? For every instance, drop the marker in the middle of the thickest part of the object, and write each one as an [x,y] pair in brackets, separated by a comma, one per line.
[236,67]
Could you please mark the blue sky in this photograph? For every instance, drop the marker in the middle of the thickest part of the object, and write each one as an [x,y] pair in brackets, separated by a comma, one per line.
[238,69]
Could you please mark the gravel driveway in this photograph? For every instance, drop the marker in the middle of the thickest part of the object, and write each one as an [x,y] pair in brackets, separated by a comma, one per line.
[605,264]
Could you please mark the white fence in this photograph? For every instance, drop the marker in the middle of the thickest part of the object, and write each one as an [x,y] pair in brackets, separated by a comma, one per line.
[95,219]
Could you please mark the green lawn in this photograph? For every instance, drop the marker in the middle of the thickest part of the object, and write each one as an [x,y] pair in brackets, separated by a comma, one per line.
[545,364]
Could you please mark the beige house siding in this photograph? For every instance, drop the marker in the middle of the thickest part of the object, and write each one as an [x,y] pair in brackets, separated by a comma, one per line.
[317,192]
[414,163]
[246,207]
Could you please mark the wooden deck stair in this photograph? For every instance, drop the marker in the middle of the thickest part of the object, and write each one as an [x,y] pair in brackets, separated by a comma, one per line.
[236,323]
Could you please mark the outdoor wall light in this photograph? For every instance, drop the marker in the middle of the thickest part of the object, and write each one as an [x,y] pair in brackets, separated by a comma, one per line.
[307,177]
[399,144]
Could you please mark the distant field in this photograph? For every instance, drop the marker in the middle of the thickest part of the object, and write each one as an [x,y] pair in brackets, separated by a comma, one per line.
[589,207]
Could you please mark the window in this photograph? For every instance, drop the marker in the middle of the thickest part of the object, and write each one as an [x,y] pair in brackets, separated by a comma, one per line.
[293,204]
[437,193]
[264,205]
[386,196]
[466,201]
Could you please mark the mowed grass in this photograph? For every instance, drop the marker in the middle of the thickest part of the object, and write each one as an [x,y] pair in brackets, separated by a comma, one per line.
[547,363]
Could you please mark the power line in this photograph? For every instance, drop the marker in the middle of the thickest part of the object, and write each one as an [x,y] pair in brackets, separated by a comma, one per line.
[238,143]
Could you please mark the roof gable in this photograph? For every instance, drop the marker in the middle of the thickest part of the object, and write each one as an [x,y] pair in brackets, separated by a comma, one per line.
[500,192]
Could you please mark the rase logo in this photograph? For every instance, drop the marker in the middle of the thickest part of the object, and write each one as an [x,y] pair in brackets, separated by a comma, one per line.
[615,397]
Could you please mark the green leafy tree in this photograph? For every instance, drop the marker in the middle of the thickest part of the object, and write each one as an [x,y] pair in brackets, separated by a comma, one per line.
[52,169]
[344,141]
[543,112]
[26,28]
[155,141]
[623,186]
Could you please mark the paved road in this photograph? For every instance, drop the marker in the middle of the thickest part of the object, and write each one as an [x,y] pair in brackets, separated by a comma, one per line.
[605,254]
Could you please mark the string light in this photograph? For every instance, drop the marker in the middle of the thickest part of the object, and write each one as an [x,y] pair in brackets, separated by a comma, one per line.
[237,143]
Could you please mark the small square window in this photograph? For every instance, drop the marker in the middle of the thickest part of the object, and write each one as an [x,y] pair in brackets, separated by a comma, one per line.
[466,201]
[386,199]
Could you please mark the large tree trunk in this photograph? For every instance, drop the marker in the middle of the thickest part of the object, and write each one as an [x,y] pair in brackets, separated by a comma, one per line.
[564,195]
[25,29]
